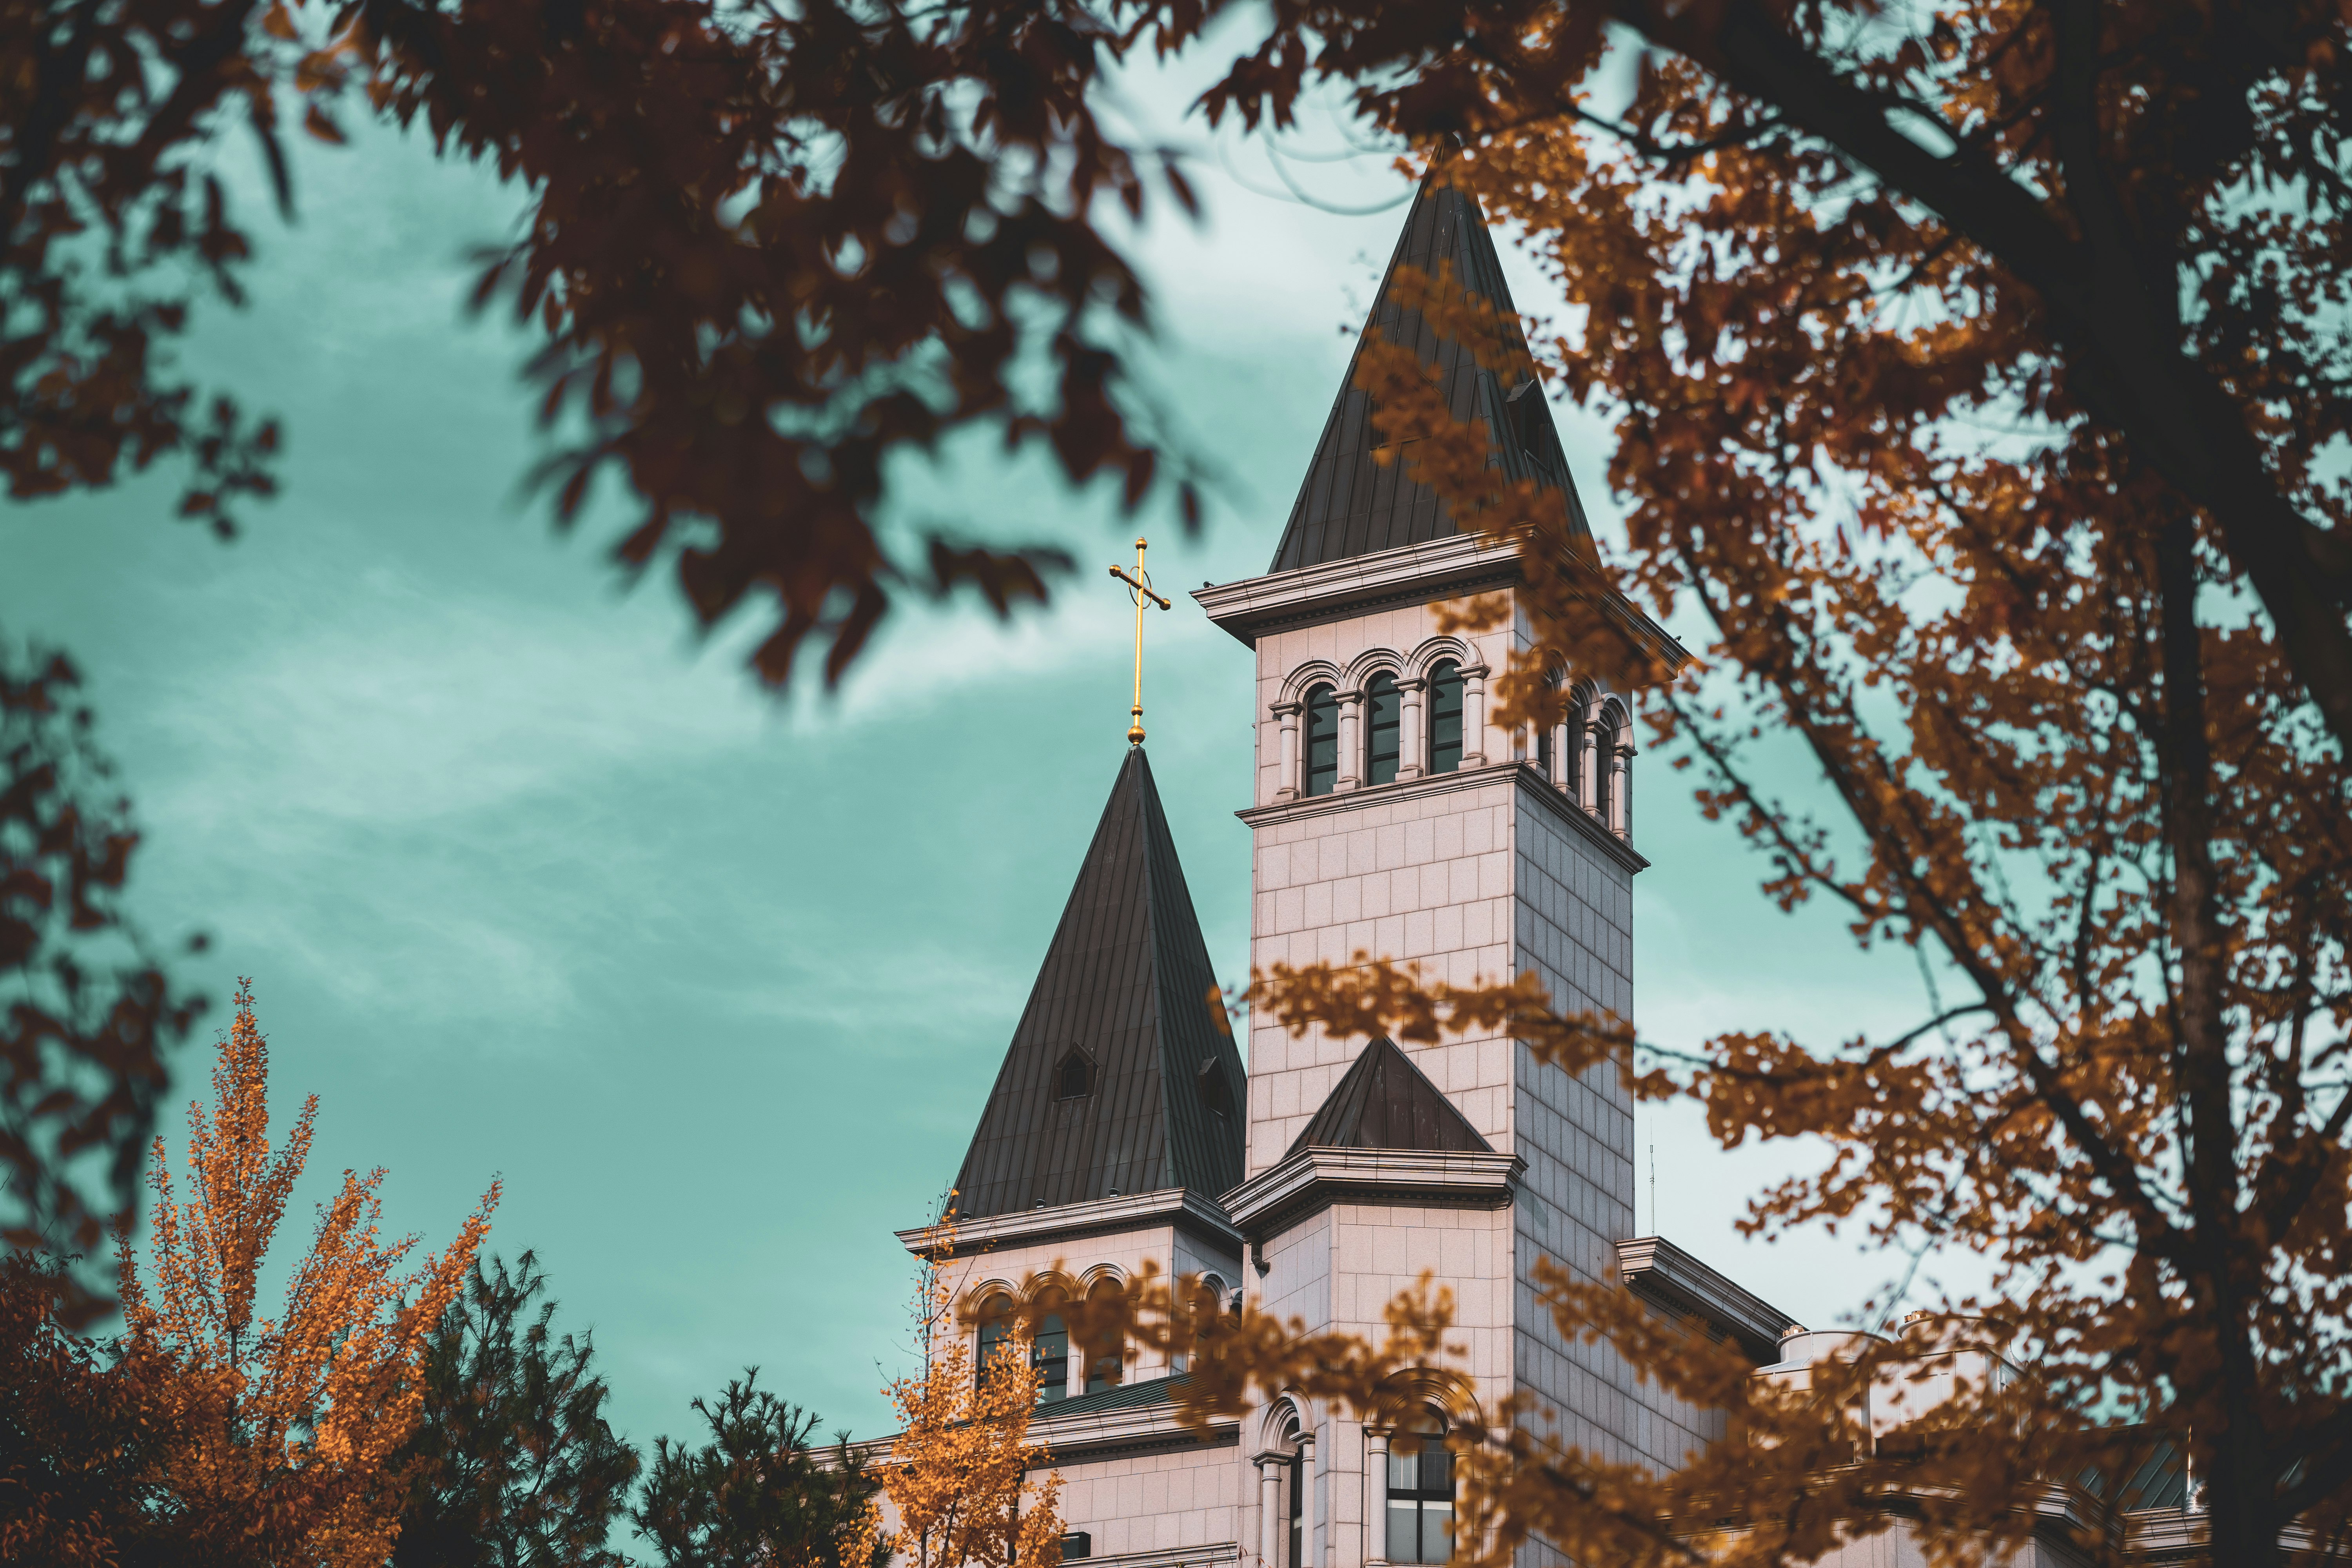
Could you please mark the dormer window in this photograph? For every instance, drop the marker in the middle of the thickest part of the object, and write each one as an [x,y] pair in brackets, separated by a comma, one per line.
[1074,1079]
[1215,1096]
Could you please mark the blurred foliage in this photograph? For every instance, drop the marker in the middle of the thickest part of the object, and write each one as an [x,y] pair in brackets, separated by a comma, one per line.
[90,1013]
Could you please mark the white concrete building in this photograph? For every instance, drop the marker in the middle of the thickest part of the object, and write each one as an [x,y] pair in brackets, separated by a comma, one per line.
[1391,816]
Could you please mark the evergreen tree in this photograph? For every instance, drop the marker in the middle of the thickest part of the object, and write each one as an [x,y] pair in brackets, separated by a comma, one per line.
[516,1465]
[757,1492]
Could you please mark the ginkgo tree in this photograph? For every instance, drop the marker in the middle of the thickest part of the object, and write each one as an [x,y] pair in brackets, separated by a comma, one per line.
[310,1406]
[957,1477]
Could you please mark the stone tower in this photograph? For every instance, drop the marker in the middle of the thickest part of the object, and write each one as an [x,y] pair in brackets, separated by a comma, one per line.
[1392,817]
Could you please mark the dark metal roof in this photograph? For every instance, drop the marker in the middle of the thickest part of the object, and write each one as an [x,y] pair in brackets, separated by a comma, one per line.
[1125,1396]
[1386,1102]
[1350,505]
[1128,982]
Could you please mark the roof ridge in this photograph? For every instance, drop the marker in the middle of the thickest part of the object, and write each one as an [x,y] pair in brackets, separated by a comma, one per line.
[1385,1102]
[1349,505]
[1123,983]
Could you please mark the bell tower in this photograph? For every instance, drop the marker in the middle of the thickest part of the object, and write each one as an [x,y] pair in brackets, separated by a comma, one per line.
[1392,817]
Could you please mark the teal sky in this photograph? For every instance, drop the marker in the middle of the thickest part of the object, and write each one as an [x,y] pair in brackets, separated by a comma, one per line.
[534,883]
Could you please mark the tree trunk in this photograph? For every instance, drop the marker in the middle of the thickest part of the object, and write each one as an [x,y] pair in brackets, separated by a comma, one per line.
[2242,1485]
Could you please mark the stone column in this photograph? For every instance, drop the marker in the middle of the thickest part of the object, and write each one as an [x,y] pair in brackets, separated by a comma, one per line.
[1351,739]
[1376,1495]
[1563,759]
[1474,718]
[1286,715]
[1310,1546]
[1413,750]
[1269,1510]
[1620,805]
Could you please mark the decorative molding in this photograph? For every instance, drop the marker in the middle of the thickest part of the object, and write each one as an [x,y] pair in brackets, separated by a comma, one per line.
[1665,1276]
[1314,1179]
[1443,568]
[1115,1434]
[1307,806]
[1177,1206]
[1080,1439]
[1579,820]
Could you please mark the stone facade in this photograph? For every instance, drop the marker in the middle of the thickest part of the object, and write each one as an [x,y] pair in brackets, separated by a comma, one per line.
[1477,870]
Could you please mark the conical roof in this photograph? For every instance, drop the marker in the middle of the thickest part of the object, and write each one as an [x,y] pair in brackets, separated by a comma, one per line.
[1127,992]
[1350,505]
[1383,1102]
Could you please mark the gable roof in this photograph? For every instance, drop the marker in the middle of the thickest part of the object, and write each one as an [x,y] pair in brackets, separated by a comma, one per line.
[1386,1102]
[1126,981]
[1350,505]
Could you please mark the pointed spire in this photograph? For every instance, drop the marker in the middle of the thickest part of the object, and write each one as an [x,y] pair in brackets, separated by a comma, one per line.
[1386,1102]
[1118,1079]
[1351,506]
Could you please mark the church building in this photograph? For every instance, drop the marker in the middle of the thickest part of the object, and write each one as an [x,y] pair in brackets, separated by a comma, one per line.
[1389,815]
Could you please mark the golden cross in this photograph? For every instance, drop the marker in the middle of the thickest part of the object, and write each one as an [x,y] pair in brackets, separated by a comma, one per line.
[1139,589]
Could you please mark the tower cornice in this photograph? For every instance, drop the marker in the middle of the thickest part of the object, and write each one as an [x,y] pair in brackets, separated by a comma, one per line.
[1368,797]
[1314,1178]
[1177,1206]
[1411,574]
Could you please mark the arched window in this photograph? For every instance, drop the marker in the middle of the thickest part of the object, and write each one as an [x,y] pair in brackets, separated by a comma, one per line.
[1384,729]
[1049,1352]
[1107,1369]
[1207,1303]
[1580,743]
[995,1328]
[1322,740]
[1445,717]
[1074,1079]
[1604,767]
[1421,1494]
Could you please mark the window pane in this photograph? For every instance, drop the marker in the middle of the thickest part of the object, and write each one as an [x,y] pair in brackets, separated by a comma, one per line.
[1604,781]
[1050,1353]
[1298,1487]
[1436,1532]
[1322,740]
[1404,1544]
[995,1328]
[1444,718]
[1383,730]
[1436,1468]
[1404,1473]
